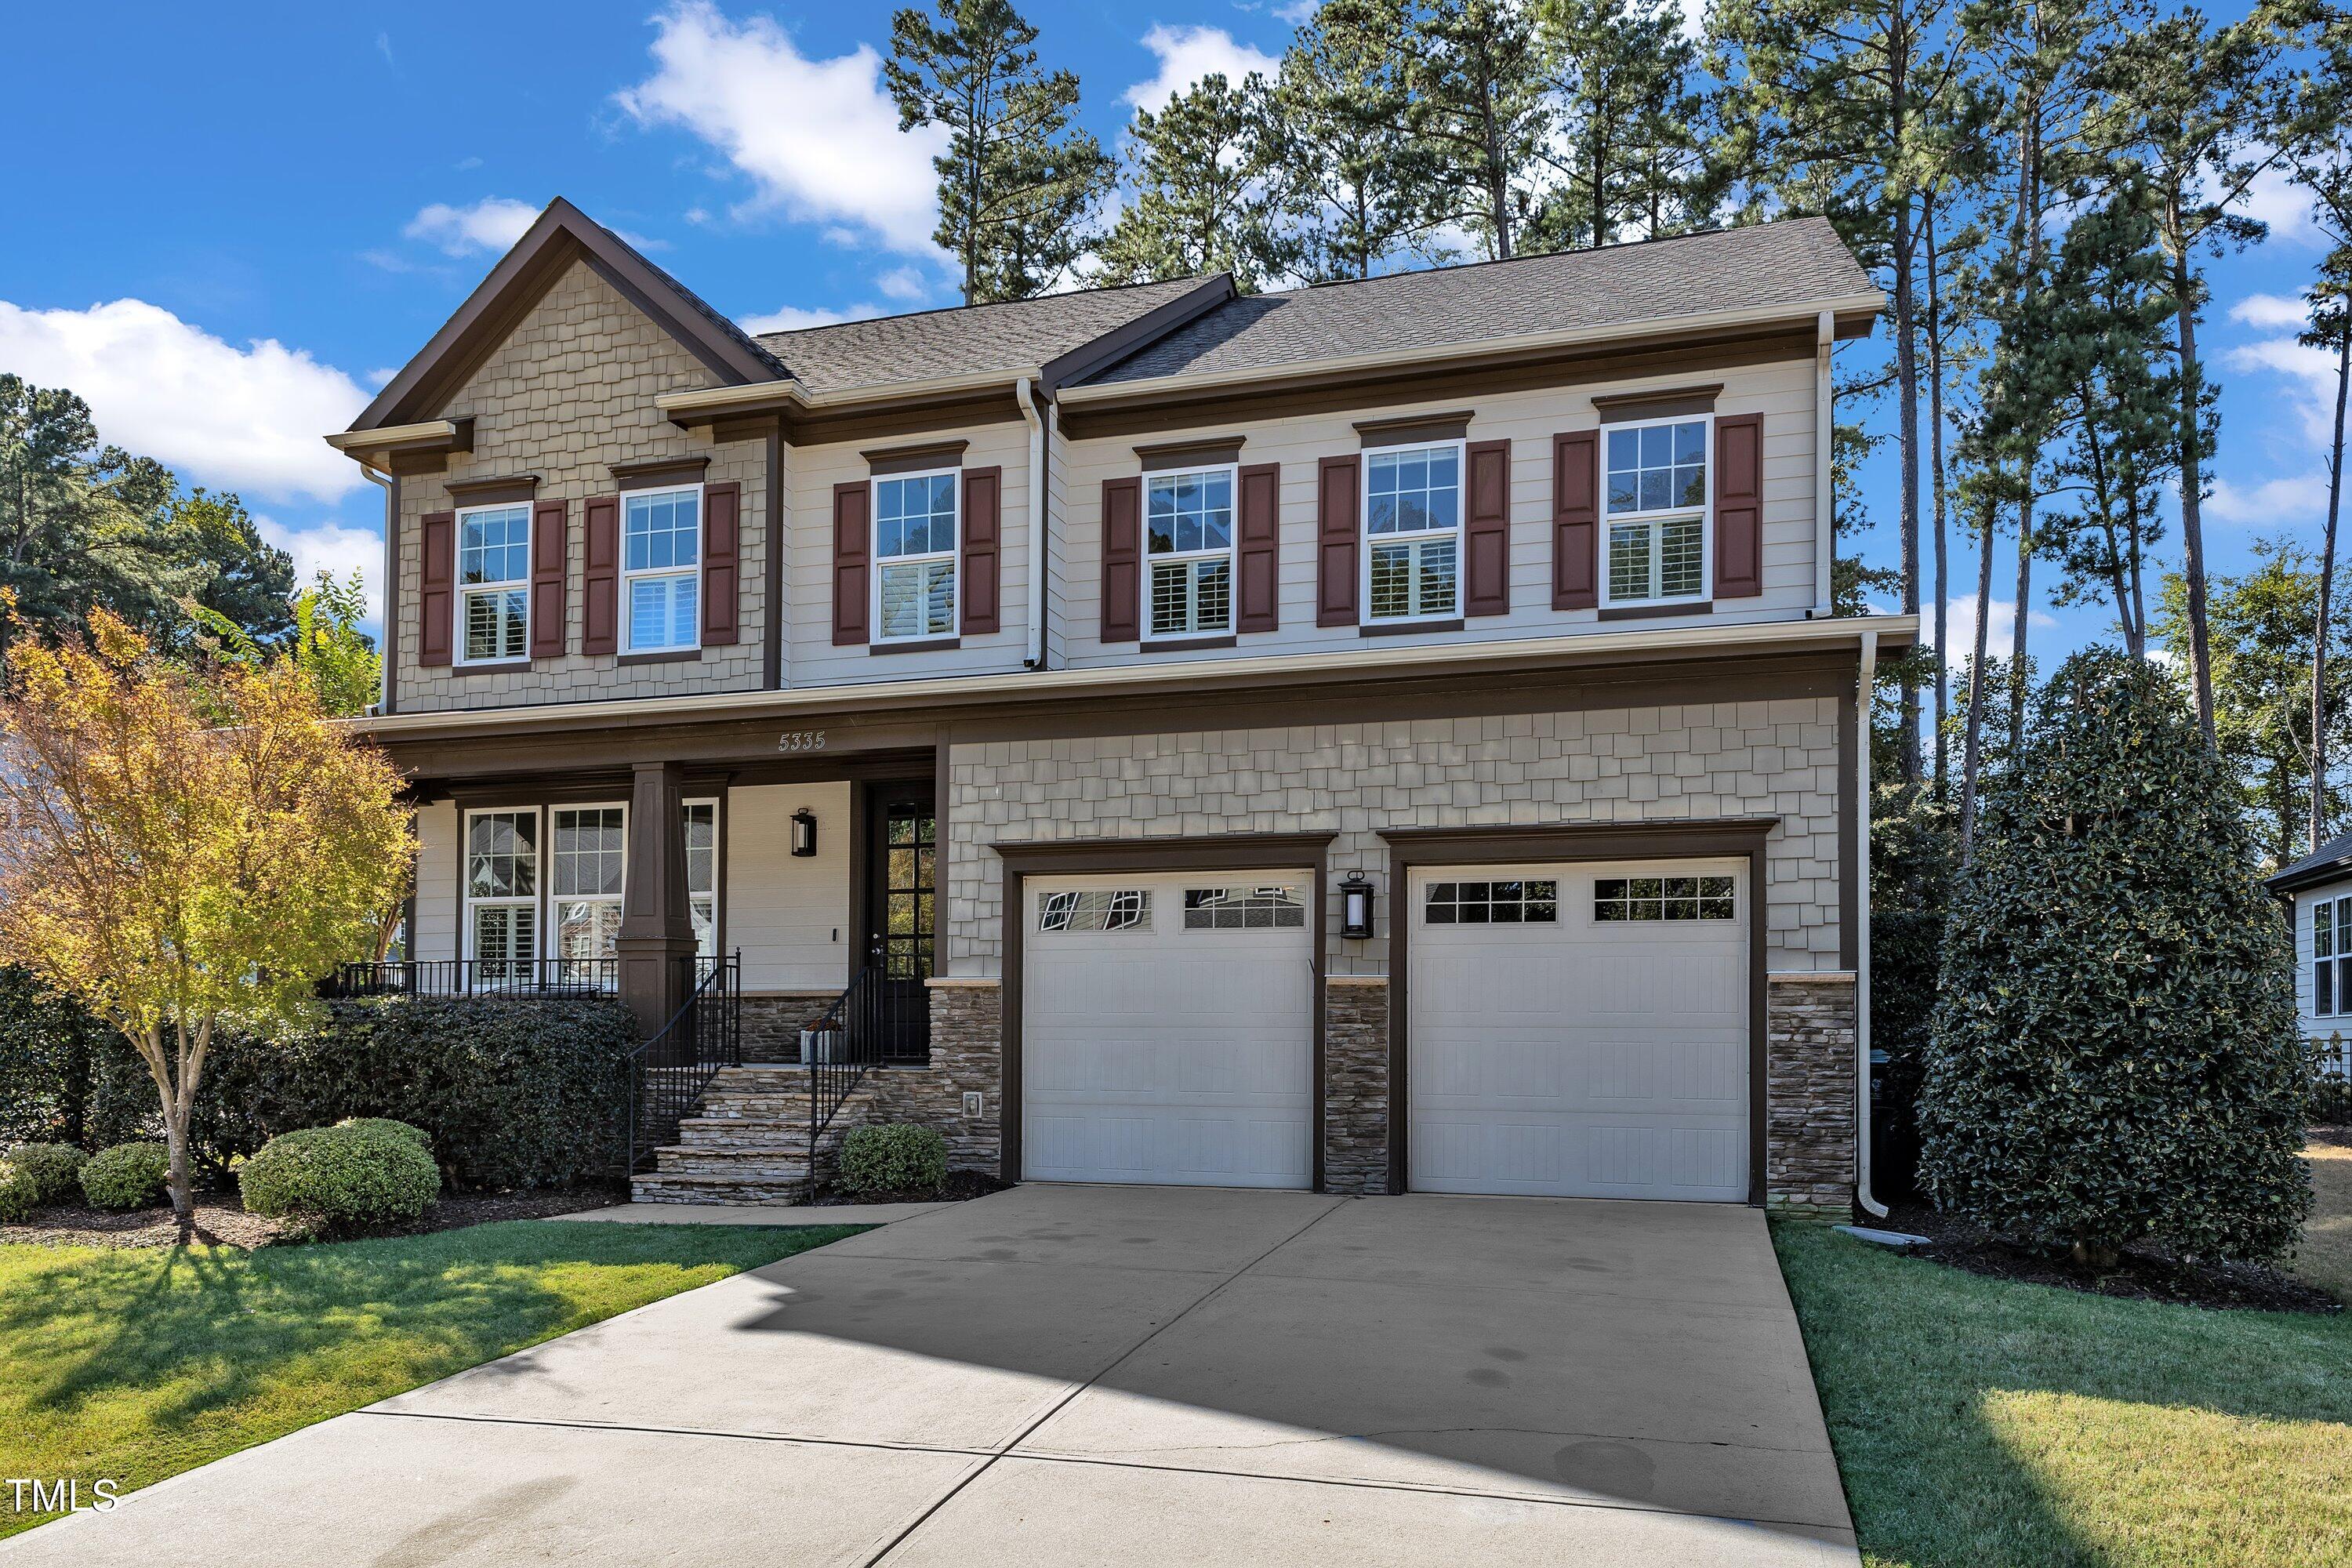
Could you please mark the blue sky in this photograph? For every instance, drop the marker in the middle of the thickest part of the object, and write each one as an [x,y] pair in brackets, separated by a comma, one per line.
[226,236]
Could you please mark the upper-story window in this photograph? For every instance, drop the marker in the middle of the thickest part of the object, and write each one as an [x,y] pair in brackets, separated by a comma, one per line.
[1412,524]
[1657,512]
[1189,534]
[915,556]
[494,579]
[661,568]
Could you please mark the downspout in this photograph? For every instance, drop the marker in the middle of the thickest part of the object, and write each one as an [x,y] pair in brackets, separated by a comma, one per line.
[1039,450]
[385,695]
[1862,1193]
[1824,437]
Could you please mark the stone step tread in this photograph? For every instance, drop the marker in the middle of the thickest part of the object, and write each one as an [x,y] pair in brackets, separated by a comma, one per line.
[743,1151]
[717,1190]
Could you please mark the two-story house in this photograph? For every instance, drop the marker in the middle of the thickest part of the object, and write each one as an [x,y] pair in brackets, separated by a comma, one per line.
[1383,736]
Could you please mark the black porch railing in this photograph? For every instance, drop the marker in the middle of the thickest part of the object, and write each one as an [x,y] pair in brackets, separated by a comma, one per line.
[2332,1079]
[667,1074]
[476,977]
[880,1019]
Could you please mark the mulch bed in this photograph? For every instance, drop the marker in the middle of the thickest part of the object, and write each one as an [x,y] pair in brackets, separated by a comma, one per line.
[2145,1273]
[958,1186]
[225,1224]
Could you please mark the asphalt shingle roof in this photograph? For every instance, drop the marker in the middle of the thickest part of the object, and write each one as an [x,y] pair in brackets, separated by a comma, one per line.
[967,341]
[2329,857]
[1759,266]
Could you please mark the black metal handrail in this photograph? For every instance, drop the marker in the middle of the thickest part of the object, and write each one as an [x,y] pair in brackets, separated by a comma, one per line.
[667,1074]
[879,1018]
[476,977]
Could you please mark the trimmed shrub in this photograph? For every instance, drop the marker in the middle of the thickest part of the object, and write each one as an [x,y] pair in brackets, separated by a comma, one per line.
[63,1075]
[19,1195]
[386,1124]
[52,1168]
[341,1179]
[2115,1055]
[896,1157]
[127,1176]
[508,1091]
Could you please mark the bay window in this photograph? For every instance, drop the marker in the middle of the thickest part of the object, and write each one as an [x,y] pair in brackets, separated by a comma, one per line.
[494,582]
[1657,512]
[1189,537]
[661,569]
[1412,524]
[915,556]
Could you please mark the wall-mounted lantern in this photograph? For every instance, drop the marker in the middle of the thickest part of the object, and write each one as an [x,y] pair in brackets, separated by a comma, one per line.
[805,832]
[1355,906]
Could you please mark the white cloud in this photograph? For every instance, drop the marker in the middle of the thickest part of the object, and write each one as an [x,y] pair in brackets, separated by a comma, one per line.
[2280,311]
[2293,498]
[2279,202]
[905,284]
[2313,368]
[494,223]
[244,419]
[2000,627]
[792,319]
[819,139]
[337,549]
[1299,13]
[1188,53]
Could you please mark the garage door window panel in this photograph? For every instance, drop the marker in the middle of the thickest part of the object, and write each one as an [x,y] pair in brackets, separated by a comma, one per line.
[1095,910]
[1529,901]
[1243,908]
[1664,899]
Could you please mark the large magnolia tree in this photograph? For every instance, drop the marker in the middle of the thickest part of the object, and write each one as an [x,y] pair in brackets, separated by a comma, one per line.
[180,848]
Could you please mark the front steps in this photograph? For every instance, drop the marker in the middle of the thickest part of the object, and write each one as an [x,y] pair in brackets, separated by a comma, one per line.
[747,1142]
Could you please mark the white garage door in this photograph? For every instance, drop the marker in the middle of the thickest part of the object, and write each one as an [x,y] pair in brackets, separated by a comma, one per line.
[1580,1030]
[1167,1029]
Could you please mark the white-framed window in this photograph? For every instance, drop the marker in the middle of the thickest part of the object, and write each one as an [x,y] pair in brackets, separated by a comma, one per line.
[1508,902]
[1096,908]
[494,583]
[702,874]
[1188,538]
[915,556]
[2331,957]
[1664,899]
[1412,532]
[502,891]
[1657,503]
[661,569]
[588,855]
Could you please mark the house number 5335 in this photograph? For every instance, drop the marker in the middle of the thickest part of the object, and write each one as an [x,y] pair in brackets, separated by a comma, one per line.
[801,741]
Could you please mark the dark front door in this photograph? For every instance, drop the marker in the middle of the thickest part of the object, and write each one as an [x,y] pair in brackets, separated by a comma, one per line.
[902,869]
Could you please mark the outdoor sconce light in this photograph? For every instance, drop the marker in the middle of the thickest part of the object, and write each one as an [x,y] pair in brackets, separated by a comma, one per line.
[803,832]
[1355,906]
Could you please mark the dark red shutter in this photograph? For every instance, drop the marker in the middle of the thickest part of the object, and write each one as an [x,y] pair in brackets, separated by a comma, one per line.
[437,589]
[1258,549]
[1335,542]
[983,506]
[722,562]
[1122,559]
[853,548]
[1576,519]
[550,556]
[1487,531]
[599,576]
[1739,506]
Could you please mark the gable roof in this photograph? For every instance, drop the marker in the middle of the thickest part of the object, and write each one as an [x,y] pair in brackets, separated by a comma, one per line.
[1008,337]
[1794,262]
[2331,862]
[561,235]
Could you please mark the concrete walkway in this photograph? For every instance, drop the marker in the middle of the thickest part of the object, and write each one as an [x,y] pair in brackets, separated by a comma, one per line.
[1067,1376]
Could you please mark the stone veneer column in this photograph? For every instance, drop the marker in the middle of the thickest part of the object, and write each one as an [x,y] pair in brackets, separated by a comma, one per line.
[967,1056]
[1356,1084]
[1809,1096]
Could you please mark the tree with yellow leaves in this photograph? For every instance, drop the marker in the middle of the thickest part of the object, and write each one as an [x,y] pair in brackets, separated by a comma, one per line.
[173,872]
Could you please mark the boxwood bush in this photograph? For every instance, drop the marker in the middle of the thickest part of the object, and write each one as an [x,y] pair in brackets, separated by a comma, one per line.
[127,1176]
[52,1169]
[341,1180]
[2114,1054]
[508,1092]
[896,1157]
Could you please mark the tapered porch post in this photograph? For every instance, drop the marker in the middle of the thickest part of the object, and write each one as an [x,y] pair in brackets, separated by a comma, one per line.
[656,941]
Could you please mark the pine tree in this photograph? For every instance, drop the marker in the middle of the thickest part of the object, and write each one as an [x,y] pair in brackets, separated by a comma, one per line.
[1630,123]
[1352,191]
[1200,196]
[1017,182]
[1478,114]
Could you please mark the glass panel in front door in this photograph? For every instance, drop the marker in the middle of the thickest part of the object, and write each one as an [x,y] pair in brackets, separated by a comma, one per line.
[909,854]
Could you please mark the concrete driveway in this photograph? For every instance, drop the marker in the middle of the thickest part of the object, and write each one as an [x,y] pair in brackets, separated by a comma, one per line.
[1062,1375]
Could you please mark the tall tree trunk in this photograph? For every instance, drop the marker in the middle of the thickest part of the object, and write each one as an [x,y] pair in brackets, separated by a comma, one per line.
[1972,756]
[2326,591]
[1907,376]
[1935,467]
[2192,470]
[2017,623]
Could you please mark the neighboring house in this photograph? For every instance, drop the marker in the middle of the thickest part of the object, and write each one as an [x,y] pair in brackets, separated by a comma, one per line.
[1073,668]
[2319,889]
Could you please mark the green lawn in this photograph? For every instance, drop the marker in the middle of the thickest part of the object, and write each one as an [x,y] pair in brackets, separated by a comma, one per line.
[141,1363]
[1981,1424]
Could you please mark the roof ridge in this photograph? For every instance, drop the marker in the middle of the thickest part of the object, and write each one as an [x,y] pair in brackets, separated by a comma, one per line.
[1193,278]
[1790,220]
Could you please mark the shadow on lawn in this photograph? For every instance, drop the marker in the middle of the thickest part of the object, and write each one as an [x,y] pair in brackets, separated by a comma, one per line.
[208,1329]
[1962,1408]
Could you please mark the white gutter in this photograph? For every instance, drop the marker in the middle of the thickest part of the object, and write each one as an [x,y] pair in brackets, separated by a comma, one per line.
[1188,676]
[1862,1193]
[1647,329]
[1824,435]
[1023,396]
[392,436]
[390,565]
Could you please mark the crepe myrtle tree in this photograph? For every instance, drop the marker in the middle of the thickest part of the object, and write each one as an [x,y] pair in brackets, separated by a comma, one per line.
[183,847]
[2114,1056]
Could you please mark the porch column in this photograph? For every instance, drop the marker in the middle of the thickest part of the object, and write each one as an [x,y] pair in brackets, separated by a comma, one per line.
[656,941]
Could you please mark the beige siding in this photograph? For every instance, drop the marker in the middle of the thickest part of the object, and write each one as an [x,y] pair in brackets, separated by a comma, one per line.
[435,935]
[790,918]
[568,395]
[1782,392]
